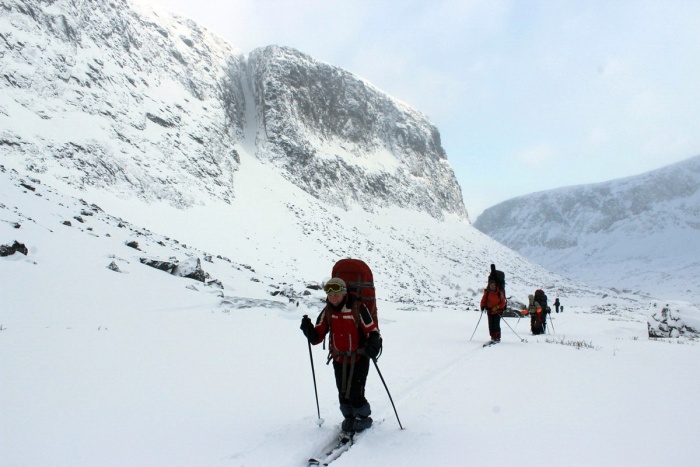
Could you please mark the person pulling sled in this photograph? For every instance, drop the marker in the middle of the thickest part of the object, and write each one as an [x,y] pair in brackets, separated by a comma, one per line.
[354,341]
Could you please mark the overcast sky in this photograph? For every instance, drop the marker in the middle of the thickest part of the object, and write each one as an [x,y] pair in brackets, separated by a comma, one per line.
[527,95]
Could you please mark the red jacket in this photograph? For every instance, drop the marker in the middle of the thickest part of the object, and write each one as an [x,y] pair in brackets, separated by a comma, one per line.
[493,299]
[345,329]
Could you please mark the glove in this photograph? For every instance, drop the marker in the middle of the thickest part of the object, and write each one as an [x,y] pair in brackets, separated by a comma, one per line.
[483,308]
[374,345]
[307,327]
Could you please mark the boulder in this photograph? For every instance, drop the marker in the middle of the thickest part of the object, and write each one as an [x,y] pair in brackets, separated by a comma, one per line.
[191,268]
[673,319]
[167,266]
[16,247]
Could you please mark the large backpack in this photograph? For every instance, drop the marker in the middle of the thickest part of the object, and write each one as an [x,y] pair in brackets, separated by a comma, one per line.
[499,278]
[360,282]
[541,298]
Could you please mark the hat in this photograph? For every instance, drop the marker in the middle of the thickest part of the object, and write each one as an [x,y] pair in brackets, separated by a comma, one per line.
[335,285]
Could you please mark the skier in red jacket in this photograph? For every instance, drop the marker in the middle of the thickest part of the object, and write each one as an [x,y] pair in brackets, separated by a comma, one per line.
[354,340]
[493,302]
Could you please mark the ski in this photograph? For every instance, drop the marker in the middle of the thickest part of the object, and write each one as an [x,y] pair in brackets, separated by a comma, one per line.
[332,452]
[490,343]
[331,455]
[339,446]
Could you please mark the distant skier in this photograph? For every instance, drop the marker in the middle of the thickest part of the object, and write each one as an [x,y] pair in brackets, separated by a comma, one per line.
[493,302]
[354,340]
[534,309]
[541,298]
[556,305]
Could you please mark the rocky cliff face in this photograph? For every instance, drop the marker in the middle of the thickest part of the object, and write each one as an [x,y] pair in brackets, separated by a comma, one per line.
[344,140]
[117,95]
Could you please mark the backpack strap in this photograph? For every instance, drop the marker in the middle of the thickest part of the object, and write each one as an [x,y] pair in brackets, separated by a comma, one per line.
[361,333]
[346,383]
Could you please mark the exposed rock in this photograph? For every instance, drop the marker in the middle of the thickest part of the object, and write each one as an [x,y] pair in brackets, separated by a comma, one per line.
[216,283]
[346,142]
[167,266]
[674,319]
[190,268]
[16,247]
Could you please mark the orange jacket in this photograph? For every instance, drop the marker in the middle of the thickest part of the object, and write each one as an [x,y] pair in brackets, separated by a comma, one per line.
[493,300]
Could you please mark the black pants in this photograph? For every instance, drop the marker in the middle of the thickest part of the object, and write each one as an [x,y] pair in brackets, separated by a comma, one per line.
[495,326]
[536,324]
[357,383]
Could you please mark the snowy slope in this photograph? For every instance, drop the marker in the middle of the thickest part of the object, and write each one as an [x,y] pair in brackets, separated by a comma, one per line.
[144,103]
[639,233]
[141,367]
[113,95]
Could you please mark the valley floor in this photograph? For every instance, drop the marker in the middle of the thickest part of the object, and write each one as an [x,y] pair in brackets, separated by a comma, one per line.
[192,383]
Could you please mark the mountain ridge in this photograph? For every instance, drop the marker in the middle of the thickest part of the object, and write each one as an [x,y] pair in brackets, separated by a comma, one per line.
[126,103]
[165,103]
[610,232]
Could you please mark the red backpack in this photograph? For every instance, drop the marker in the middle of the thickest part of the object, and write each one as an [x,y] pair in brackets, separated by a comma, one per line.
[360,282]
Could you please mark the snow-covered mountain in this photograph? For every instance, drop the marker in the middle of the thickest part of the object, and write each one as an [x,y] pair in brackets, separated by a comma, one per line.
[123,97]
[346,142]
[113,95]
[168,209]
[152,118]
[116,102]
[640,233]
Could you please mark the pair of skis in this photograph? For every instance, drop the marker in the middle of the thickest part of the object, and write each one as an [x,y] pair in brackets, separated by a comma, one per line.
[333,451]
[490,343]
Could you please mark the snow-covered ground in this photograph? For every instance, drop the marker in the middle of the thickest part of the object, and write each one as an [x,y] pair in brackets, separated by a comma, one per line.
[140,367]
[181,381]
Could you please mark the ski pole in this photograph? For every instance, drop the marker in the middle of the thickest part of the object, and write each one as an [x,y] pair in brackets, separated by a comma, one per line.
[477,325]
[516,334]
[551,321]
[387,391]
[313,374]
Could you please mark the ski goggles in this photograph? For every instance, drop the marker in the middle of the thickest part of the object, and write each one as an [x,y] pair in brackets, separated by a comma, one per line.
[333,287]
